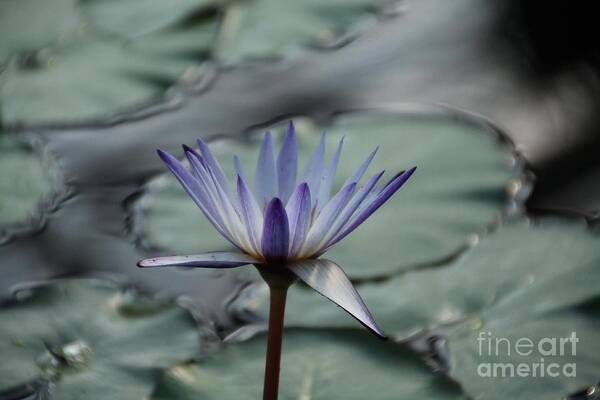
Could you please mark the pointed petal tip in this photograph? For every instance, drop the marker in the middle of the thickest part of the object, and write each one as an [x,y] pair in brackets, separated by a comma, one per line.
[329,280]
[372,154]
[290,135]
[373,328]
[290,138]
[401,177]
[267,139]
[168,158]
[381,335]
[276,203]
[187,148]
[408,173]
[202,146]
[162,154]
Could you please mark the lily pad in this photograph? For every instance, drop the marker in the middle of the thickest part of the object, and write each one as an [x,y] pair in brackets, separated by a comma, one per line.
[89,72]
[556,297]
[459,190]
[529,281]
[23,180]
[137,17]
[546,365]
[91,340]
[264,28]
[47,22]
[315,365]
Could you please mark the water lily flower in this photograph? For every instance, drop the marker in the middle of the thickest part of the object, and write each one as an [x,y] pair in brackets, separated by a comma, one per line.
[287,219]
[282,225]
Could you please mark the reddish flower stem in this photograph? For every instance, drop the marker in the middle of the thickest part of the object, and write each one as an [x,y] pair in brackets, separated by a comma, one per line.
[274,341]
[279,280]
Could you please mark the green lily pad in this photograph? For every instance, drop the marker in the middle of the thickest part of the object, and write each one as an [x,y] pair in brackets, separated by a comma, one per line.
[546,365]
[47,22]
[264,28]
[525,281]
[556,297]
[459,190]
[91,340]
[315,365]
[91,73]
[138,17]
[23,180]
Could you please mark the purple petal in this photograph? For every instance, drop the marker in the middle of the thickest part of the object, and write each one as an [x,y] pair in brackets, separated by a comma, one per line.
[362,168]
[298,211]
[276,235]
[187,149]
[219,259]
[266,173]
[381,198]
[215,172]
[207,180]
[392,179]
[214,167]
[224,208]
[323,223]
[201,172]
[251,213]
[329,280]
[328,176]
[210,170]
[350,208]
[314,168]
[231,215]
[202,176]
[287,164]
[195,191]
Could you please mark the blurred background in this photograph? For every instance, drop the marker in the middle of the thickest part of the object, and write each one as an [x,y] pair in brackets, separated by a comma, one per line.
[90,88]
